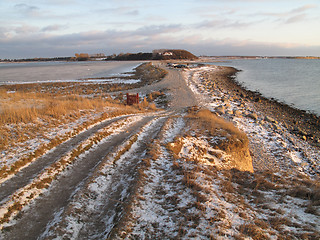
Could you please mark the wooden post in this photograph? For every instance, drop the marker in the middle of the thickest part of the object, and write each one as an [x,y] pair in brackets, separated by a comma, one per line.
[132,99]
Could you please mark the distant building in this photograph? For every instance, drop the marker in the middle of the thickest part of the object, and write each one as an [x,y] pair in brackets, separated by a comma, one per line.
[97,55]
[164,52]
[82,55]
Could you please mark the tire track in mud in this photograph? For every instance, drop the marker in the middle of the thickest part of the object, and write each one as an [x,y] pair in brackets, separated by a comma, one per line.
[157,191]
[33,221]
[38,219]
[27,174]
[102,202]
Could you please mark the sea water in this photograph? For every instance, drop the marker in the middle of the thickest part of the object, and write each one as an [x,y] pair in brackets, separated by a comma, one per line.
[295,82]
[37,72]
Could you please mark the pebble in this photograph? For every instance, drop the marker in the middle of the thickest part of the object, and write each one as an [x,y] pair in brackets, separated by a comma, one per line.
[237,113]
[230,112]
[221,110]
[227,105]
[253,116]
[269,119]
[276,127]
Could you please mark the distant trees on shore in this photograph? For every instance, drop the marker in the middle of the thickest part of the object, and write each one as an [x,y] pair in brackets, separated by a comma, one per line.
[38,59]
[159,54]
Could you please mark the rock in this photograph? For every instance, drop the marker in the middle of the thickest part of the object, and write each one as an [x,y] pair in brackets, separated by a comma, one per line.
[296,129]
[221,110]
[257,99]
[230,112]
[237,113]
[243,95]
[269,119]
[253,116]
[276,127]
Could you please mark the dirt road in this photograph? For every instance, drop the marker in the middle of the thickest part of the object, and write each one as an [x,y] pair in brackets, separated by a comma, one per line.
[45,215]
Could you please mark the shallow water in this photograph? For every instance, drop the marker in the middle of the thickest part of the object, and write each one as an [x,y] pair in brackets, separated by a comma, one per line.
[60,71]
[293,81]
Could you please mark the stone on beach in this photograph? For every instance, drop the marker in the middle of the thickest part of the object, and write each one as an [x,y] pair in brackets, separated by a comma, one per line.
[269,119]
[221,110]
[254,116]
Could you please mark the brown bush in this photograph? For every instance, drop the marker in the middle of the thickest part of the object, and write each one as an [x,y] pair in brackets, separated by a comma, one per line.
[253,231]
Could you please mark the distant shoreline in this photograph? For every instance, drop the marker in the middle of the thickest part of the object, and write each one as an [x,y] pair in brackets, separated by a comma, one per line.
[142,56]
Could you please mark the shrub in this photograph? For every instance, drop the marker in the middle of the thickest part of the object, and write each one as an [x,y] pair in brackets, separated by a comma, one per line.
[253,231]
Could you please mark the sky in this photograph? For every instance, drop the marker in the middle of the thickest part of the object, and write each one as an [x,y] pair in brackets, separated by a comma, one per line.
[52,28]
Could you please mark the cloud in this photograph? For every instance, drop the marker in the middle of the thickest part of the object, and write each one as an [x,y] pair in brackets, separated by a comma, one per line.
[129,11]
[158,29]
[297,18]
[52,28]
[133,13]
[303,9]
[26,29]
[27,9]
[293,15]
[222,23]
[47,44]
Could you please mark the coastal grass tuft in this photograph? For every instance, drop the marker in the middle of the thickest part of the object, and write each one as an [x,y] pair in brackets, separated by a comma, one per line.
[226,136]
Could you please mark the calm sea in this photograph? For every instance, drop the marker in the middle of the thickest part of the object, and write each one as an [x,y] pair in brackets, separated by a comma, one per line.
[293,81]
[60,71]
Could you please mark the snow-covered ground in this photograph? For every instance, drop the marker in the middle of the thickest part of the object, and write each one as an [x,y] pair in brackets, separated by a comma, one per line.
[156,176]
[272,145]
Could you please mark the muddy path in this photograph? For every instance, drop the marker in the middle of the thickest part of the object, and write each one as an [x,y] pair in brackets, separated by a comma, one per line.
[24,176]
[179,94]
[46,216]
[121,180]
[33,221]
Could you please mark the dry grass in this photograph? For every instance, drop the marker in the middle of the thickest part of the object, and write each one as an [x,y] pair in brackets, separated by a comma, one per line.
[29,107]
[175,147]
[253,231]
[26,115]
[213,123]
[228,138]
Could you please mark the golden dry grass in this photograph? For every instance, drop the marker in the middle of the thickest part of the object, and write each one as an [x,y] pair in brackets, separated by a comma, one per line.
[26,115]
[212,123]
[230,139]
[20,107]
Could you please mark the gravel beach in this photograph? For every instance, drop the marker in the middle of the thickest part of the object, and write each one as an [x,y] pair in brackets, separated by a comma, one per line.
[282,137]
[302,124]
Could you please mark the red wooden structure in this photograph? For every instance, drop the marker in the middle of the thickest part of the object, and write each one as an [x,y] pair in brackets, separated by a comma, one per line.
[132,99]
